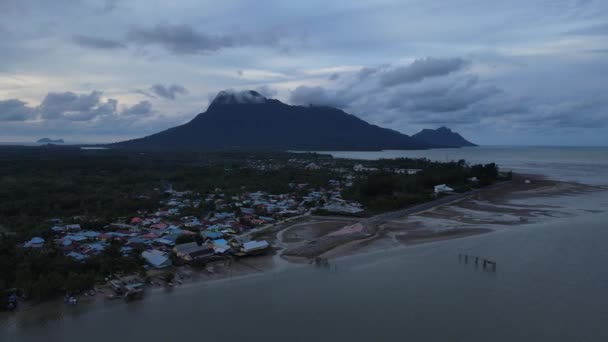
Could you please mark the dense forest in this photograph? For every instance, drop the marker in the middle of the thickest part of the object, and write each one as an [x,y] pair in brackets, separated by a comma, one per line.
[386,190]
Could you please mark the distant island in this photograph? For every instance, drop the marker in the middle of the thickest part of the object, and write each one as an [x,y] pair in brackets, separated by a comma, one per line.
[442,136]
[248,120]
[50,141]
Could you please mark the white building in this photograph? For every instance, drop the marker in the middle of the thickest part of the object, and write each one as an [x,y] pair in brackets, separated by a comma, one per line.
[361,168]
[442,188]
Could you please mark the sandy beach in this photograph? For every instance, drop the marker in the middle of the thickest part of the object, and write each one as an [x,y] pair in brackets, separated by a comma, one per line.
[484,211]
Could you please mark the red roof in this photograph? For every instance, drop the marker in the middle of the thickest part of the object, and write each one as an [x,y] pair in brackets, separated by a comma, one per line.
[137,220]
[150,236]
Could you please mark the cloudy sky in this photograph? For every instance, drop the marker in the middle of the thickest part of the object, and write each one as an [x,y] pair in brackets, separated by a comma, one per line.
[509,72]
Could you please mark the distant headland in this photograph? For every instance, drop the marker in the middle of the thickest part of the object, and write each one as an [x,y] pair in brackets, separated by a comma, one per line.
[50,141]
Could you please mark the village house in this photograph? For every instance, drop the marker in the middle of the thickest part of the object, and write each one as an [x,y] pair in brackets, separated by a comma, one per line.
[156,258]
[35,242]
[361,168]
[72,227]
[157,231]
[255,247]
[193,251]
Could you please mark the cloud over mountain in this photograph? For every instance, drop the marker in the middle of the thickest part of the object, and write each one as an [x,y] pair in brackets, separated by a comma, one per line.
[428,85]
[473,65]
[421,69]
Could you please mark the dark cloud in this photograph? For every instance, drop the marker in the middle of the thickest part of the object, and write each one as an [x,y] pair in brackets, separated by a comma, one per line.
[334,77]
[168,92]
[144,93]
[428,90]
[97,43]
[586,112]
[451,99]
[421,69]
[86,107]
[319,96]
[141,109]
[71,106]
[110,5]
[366,72]
[184,39]
[16,110]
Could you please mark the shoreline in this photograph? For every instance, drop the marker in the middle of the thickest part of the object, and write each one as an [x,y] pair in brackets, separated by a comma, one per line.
[375,243]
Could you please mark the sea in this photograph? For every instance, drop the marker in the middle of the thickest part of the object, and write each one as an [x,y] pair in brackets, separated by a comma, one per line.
[550,284]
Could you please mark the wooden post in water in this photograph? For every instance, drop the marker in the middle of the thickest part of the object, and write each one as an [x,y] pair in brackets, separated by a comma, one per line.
[478,260]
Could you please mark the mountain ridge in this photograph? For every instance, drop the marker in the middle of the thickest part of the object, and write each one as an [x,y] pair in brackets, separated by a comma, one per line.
[248,120]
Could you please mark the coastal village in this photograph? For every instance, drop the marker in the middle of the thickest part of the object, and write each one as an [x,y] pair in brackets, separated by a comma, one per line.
[191,233]
[166,238]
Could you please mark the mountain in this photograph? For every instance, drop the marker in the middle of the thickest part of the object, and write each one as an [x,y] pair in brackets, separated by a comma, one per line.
[50,141]
[442,136]
[249,120]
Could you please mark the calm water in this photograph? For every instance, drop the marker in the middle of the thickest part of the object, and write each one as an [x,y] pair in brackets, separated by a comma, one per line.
[551,285]
[581,164]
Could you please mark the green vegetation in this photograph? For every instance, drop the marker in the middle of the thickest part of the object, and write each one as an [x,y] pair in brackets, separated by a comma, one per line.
[45,272]
[100,186]
[385,190]
[96,188]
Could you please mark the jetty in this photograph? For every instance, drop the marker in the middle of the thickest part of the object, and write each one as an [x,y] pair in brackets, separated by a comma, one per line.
[486,263]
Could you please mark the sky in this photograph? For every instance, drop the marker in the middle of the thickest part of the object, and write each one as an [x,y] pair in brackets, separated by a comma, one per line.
[518,72]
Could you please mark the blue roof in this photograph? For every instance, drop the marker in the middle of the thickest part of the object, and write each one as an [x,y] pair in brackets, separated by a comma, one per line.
[138,239]
[97,246]
[34,242]
[220,242]
[76,237]
[90,234]
[165,241]
[155,259]
[177,230]
[172,237]
[76,256]
[212,235]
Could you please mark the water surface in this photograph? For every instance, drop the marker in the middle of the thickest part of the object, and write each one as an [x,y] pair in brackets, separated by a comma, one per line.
[550,284]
